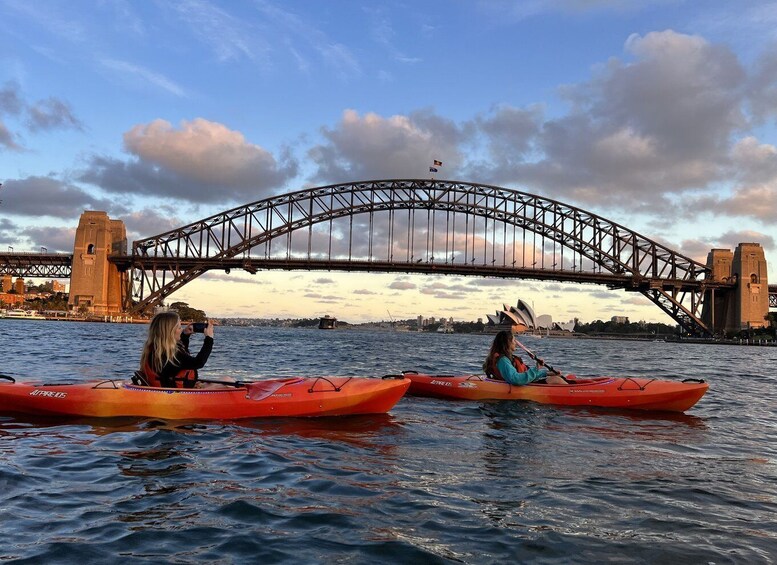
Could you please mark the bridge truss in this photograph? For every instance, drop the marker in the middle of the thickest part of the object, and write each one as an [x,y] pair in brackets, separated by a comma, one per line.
[422,226]
[30,265]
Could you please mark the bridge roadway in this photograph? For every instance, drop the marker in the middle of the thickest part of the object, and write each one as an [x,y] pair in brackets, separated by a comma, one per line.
[59,265]
[36,265]
[253,265]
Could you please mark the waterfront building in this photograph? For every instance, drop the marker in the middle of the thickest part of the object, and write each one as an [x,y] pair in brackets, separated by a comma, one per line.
[522,319]
[518,319]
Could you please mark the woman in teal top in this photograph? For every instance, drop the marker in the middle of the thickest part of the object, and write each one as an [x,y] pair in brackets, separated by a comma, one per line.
[501,365]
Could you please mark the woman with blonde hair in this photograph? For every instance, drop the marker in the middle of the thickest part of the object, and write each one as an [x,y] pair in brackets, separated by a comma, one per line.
[166,361]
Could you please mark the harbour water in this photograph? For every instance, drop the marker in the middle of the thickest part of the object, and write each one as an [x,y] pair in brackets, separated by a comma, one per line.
[430,482]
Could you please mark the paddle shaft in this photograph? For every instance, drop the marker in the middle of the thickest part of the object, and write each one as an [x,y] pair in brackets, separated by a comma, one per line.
[237,384]
[533,356]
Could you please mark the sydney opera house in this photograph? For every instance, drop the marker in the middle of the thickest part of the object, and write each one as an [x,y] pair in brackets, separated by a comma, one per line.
[521,319]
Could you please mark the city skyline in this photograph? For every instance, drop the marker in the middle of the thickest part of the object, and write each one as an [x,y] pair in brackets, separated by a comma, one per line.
[656,115]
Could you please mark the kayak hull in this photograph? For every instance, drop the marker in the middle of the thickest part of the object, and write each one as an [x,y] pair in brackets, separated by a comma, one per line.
[607,392]
[296,397]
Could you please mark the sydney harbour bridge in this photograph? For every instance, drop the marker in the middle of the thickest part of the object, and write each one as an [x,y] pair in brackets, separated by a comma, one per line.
[408,226]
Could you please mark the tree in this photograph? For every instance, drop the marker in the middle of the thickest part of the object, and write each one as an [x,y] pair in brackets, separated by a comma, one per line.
[187,313]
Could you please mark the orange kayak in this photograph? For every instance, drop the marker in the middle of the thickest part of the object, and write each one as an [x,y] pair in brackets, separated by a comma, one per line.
[313,396]
[609,392]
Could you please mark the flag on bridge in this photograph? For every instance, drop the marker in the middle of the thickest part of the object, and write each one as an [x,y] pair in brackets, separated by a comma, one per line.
[432,170]
[437,163]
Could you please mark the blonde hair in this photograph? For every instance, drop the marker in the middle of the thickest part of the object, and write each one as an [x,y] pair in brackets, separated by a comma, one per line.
[162,342]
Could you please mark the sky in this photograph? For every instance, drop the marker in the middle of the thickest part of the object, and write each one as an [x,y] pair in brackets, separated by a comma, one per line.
[658,115]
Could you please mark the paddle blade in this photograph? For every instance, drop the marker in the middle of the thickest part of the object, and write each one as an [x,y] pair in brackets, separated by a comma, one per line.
[260,390]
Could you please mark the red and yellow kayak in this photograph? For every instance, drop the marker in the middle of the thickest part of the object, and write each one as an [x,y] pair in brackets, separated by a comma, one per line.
[294,397]
[608,392]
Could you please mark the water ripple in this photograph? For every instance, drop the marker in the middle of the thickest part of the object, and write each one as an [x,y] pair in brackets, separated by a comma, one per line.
[431,482]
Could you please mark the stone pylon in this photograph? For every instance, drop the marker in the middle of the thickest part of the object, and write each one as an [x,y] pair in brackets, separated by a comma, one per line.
[94,281]
[747,304]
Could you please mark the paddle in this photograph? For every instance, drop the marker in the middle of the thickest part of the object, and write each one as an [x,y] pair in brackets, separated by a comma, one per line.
[535,358]
[237,384]
[257,390]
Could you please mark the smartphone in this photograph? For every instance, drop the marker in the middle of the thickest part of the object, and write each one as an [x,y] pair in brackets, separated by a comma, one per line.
[199,327]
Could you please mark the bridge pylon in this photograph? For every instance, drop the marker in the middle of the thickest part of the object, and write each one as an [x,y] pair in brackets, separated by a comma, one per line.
[745,305]
[95,282]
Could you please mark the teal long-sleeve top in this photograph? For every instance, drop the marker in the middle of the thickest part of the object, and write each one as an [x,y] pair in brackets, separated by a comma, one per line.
[512,376]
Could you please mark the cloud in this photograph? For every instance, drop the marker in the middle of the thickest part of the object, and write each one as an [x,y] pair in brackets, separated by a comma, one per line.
[374,147]
[323,281]
[8,231]
[402,285]
[130,73]
[491,282]
[52,114]
[147,222]
[235,277]
[382,33]
[291,30]
[655,124]
[46,196]
[10,100]
[733,238]
[754,170]
[364,291]
[54,239]
[511,132]
[202,161]
[7,139]
[50,18]
[508,11]
[43,115]
[763,86]
[228,36]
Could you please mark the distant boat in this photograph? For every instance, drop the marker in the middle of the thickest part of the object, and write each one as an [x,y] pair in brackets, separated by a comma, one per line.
[445,330]
[327,323]
[20,314]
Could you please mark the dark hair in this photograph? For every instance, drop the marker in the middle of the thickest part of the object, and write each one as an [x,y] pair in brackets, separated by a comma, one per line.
[499,347]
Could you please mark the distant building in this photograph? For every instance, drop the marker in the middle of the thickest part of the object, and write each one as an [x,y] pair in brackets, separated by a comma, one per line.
[518,319]
[620,319]
[564,326]
[55,286]
[7,299]
[521,319]
[544,321]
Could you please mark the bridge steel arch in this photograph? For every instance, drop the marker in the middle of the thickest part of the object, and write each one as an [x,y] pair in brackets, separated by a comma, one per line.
[266,234]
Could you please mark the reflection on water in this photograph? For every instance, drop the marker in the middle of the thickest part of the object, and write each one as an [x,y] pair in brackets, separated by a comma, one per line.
[433,481]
